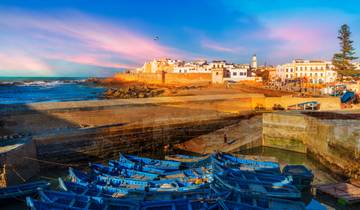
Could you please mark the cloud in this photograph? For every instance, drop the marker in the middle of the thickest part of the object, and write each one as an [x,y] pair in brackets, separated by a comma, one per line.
[12,62]
[77,38]
[217,47]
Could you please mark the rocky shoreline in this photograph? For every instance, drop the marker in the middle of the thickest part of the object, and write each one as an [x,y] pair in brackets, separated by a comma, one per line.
[124,90]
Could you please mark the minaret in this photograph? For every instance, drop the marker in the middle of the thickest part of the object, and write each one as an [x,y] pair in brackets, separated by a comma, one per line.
[253,62]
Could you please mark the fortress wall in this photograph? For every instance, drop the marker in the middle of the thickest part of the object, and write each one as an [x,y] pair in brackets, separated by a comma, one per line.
[170,78]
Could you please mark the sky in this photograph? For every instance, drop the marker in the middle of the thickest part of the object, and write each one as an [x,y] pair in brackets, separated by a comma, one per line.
[101,37]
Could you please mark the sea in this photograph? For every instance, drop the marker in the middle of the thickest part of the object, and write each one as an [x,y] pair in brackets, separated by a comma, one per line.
[22,90]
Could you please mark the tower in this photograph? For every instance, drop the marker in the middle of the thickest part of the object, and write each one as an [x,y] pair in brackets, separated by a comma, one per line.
[253,62]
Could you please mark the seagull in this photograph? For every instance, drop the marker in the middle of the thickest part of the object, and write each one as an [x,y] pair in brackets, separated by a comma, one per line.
[156,38]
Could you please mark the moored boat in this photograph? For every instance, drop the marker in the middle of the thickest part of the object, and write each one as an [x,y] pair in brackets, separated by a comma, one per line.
[100,169]
[92,190]
[252,176]
[165,185]
[286,191]
[61,200]
[22,190]
[302,177]
[153,163]
[134,166]
[190,161]
[236,198]
[231,161]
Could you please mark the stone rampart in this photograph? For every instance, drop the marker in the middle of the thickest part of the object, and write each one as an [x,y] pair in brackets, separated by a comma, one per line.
[167,78]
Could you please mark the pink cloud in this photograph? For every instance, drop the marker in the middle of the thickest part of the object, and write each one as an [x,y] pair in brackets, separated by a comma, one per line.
[19,61]
[301,38]
[217,46]
[79,38]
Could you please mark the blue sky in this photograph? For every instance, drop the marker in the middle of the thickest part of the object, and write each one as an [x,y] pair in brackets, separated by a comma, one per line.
[98,38]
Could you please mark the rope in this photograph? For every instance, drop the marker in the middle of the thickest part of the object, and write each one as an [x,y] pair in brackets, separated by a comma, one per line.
[45,177]
[13,169]
[50,162]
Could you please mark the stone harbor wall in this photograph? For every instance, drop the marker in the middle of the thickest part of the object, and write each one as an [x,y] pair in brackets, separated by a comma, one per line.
[17,163]
[168,78]
[331,138]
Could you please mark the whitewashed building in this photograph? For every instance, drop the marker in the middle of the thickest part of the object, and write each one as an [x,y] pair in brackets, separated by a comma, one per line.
[238,72]
[315,71]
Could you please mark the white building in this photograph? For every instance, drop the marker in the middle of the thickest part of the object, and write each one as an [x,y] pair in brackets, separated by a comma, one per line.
[239,72]
[254,62]
[315,71]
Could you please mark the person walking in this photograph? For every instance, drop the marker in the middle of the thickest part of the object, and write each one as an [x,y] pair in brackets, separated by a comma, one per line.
[225,138]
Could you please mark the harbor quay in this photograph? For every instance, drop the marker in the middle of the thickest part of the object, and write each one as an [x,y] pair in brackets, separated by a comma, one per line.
[42,135]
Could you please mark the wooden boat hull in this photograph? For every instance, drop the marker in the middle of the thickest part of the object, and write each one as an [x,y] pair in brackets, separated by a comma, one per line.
[288,192]
[22,190]
[260,201]
[228,160]
[61,200]
[190,161]
[100,169]
[302,177]
[166,185]
[152,163]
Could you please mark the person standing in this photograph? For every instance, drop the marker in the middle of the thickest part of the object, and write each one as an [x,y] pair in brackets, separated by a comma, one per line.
[225,138]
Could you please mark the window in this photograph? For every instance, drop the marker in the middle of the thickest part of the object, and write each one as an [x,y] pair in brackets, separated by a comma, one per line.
[180,70]
[300,68]
[217,73]
[234,73]
[310,74]
[305,68]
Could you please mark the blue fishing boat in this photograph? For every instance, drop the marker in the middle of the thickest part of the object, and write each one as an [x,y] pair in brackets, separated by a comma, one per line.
[92,190]
[153,163]
[106,191]
[190,161]
[134,166]
[122,172]
[302,177]
[65,200]
[166,185]
[252,176]
[286,191]
[231,161]
[235,198]
[22,190]
[191,173]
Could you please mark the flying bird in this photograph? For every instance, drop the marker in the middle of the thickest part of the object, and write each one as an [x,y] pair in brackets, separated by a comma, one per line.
[156,38]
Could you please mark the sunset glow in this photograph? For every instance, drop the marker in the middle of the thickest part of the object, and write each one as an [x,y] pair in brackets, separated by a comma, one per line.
[58,38]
